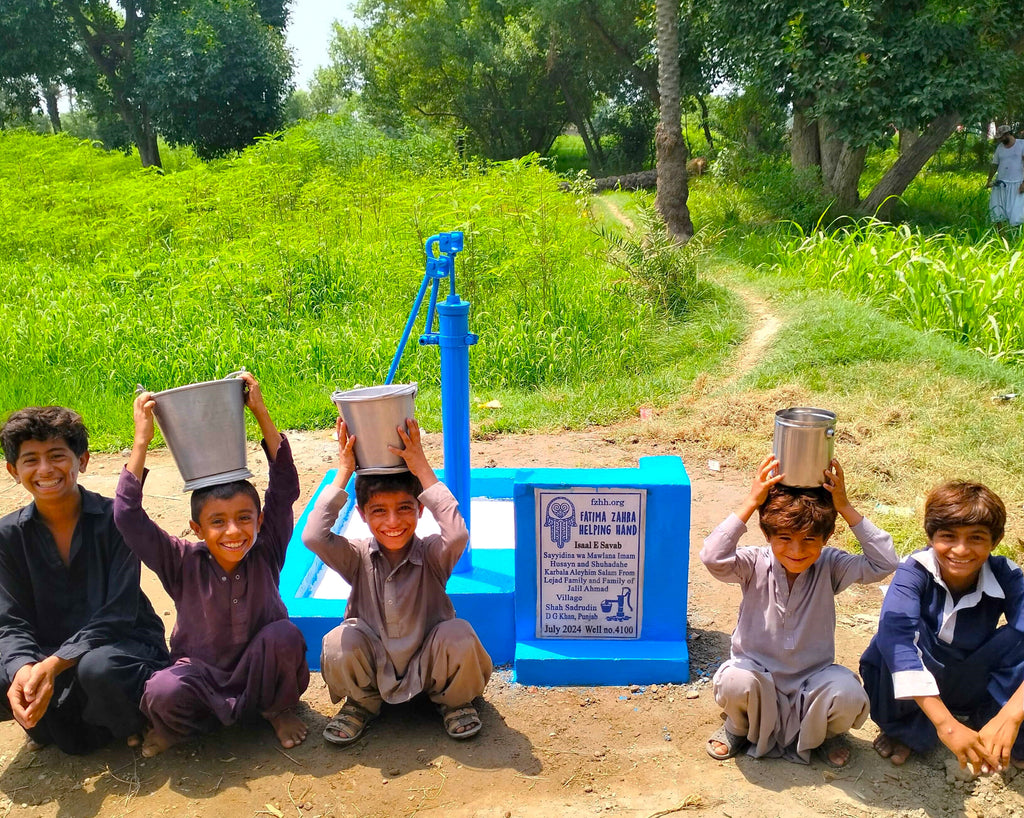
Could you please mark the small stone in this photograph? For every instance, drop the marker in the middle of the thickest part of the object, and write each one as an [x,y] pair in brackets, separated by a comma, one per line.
[692,694]
[598,753]
[634,688]
[654,688]
[532,689]
[383,781]
[508,813]
[671,699]
[394,772]
[668,737]
[588,788]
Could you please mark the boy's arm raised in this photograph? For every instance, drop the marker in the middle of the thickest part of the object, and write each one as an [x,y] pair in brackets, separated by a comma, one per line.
[146,539]
[879,558]
[719,553]
[440,501]
[283,487]
[333,549]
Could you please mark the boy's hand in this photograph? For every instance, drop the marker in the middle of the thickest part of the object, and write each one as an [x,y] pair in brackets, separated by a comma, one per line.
[968,746]
[999,735]
[835,484]
[767,476]
[254,401]
[346,454]
[142,411]
[252,393]
[413,454]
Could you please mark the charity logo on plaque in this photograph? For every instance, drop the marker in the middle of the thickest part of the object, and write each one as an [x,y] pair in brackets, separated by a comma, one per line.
[591,562]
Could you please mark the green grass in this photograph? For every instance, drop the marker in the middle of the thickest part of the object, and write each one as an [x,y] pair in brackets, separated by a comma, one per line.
[300,260]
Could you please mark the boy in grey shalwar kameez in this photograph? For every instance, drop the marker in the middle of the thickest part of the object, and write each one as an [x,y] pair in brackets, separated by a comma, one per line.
[400,636]
[781,690]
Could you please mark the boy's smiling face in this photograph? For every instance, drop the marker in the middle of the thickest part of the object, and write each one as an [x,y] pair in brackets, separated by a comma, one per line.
[796,551]
[48,469]
[961,551]
[229,528]
[392,517]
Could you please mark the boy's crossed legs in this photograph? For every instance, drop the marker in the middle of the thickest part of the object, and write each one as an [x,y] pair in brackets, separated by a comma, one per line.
[269,677]
[454,669]
[828,704]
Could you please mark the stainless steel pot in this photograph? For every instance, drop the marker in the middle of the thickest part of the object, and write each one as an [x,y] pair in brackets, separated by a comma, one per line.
[204,426]
[803,445]
[373,414]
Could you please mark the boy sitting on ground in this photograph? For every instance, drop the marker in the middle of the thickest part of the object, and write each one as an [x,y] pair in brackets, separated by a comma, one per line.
[400,636]
[782,692]
[78,638]
[235,652]
[940,667]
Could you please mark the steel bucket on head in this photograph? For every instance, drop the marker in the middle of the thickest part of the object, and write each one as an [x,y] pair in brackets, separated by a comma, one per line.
[204,426]
[373,414]
[803,445]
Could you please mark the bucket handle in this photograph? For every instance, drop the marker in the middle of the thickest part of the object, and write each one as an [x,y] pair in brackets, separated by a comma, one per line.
[236,373]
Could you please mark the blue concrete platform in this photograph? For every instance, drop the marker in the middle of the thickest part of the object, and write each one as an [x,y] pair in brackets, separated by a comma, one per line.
[505,614]
[596,662]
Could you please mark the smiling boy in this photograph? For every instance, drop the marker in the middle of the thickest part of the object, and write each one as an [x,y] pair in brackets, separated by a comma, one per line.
[940,667]
[782,693]
[400,636]
[78,638]
[235,652]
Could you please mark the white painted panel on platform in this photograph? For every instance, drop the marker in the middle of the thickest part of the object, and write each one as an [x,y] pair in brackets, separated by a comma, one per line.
[492,525]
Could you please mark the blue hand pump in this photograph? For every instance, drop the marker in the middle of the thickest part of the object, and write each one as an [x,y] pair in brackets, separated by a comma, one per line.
[454,339]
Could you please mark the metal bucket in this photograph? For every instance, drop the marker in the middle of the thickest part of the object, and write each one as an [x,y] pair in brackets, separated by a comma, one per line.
[373,414]
[803,445]
[204,426]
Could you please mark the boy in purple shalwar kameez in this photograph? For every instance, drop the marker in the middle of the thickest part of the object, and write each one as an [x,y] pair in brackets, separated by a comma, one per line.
[400,636]
[781,691]
[234,650]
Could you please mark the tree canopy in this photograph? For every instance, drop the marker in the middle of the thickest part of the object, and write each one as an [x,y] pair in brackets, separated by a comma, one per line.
[209,73]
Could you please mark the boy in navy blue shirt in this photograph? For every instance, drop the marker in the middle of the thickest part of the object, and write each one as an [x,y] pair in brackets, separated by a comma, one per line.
[940,667]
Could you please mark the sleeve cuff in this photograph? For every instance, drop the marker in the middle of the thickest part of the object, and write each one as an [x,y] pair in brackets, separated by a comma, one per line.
[432,496]
[906,684]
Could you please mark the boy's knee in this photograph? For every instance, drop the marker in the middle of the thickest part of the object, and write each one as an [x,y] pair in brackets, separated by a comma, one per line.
[849,693]
[169,686]
[283,636]
[96,669]
[455,633]
[345,642]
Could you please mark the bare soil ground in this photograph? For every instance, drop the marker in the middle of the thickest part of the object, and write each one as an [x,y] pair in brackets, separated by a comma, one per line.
[622,751]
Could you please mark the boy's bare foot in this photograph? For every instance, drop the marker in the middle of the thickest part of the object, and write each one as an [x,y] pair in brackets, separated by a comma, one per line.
[32,745]
[887,747]
[290,729]
[836,751]
[153,744]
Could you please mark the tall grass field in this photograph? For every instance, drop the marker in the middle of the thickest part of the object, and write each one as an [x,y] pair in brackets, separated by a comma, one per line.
[300,260]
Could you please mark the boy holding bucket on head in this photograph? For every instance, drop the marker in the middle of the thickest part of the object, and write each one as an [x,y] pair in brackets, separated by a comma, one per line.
[400,636]
[940,666]
[78,638]
[235,652]
[782,692]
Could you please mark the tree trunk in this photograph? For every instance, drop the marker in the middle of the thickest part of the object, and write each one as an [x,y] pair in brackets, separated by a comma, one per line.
[846,177]
[830,151]
[904,169]
[907,137]
[704,124]
[593,154]
[50,95]
[671,157]
[804,150]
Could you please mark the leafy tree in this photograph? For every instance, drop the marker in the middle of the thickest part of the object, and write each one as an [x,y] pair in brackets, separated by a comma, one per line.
[93,46]
[214,75]
[853,71]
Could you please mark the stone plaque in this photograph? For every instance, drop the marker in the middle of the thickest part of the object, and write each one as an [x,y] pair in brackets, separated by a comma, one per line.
[590,545]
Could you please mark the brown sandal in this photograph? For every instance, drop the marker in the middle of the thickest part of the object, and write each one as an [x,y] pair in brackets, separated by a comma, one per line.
[463,715]
[349,725]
